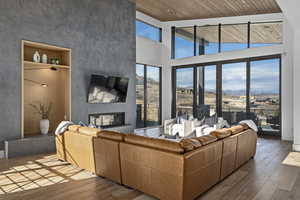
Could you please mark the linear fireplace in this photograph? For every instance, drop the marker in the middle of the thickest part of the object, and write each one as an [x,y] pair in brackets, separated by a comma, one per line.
[106,120]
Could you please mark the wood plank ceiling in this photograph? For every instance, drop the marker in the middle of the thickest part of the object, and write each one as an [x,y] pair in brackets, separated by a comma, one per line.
[169,10]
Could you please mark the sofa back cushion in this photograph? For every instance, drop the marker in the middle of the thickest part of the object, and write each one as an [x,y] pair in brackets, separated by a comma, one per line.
[111,135]
[189,144]
[237,129]
[89,131]
[221,133]
[155,143]
[206,139]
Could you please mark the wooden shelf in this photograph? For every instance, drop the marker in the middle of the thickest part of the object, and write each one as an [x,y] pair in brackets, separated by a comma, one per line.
[34,65]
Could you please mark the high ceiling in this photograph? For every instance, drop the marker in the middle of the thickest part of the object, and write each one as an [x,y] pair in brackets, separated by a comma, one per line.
[169,10]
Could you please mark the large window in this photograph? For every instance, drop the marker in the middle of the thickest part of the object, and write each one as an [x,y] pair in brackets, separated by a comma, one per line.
[265,34]
[148,96]
[265,94]
[212,39]
[153,96]
[207,40]
[235,90]
[234,37]
[184,91]
[206,89]
[210,88]
[140,95]
[184,42]
[147,31]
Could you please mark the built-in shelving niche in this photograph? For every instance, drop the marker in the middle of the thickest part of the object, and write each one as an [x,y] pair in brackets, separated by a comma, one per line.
[45,83]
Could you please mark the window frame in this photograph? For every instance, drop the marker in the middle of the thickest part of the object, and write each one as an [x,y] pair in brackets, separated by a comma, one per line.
[173,35]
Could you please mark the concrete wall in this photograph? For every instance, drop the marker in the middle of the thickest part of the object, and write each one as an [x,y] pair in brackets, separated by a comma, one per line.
[101,34]
[149,52]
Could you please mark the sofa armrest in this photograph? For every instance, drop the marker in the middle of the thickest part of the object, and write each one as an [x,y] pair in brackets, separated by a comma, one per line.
[76,148]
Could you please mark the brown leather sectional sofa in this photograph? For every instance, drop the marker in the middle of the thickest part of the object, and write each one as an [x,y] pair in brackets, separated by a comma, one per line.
[164,169]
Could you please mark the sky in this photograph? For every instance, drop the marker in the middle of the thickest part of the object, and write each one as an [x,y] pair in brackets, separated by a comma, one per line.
[264,74]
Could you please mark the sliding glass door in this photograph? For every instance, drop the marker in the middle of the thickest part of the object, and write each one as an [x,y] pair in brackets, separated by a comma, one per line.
[265,94]
[153,96]
[234,92]
[148,96]
[184,91]
[140,95]
[206,89]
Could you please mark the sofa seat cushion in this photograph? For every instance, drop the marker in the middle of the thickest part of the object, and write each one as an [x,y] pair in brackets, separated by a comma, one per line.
[237,129]
[155,143]
[189,144]
[74,128]
[111,135]
[221,133]
[206,139]
[89,131]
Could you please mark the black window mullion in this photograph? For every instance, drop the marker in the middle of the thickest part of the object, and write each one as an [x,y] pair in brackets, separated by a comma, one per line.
[160,96]
[219,90]
[194,90]
[160,34]
[248,35]
[248,82]
[220,37]
[174,92]
[195,40]
[173,30]
[145,96]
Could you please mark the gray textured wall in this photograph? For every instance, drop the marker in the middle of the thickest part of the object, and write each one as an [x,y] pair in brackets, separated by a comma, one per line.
[101,34]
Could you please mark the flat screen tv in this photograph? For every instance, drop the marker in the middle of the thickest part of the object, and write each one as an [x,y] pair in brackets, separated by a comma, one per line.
[107,89]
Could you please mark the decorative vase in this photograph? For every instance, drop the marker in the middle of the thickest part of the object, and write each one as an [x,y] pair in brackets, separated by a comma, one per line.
[36,57]
[44,126]
[44,58]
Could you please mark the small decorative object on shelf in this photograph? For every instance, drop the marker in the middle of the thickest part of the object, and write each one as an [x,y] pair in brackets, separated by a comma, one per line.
[44,111]
[57,61]
[53,61]
[36,57]
[44,59]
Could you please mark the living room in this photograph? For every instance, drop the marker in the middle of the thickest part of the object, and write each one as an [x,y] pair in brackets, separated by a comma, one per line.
[133,99]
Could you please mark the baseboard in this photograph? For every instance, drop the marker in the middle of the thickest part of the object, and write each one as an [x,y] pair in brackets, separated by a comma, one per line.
[296,147]
[2,154]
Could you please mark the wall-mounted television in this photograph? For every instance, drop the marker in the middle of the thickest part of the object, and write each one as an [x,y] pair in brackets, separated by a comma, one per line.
[108,89]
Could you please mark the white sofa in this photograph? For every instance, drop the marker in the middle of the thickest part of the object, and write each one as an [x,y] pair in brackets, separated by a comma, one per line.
[187,127]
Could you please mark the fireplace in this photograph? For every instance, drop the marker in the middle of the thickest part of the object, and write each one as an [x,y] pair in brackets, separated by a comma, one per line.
[106,120]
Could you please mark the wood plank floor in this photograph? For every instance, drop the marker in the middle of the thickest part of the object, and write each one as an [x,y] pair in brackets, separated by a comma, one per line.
[43,177]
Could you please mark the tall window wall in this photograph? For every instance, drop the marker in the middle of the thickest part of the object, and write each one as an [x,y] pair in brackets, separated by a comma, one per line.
[235,90]
[212,39]
[148,95]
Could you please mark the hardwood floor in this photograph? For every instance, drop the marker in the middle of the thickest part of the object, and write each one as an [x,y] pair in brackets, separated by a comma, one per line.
[43,177]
